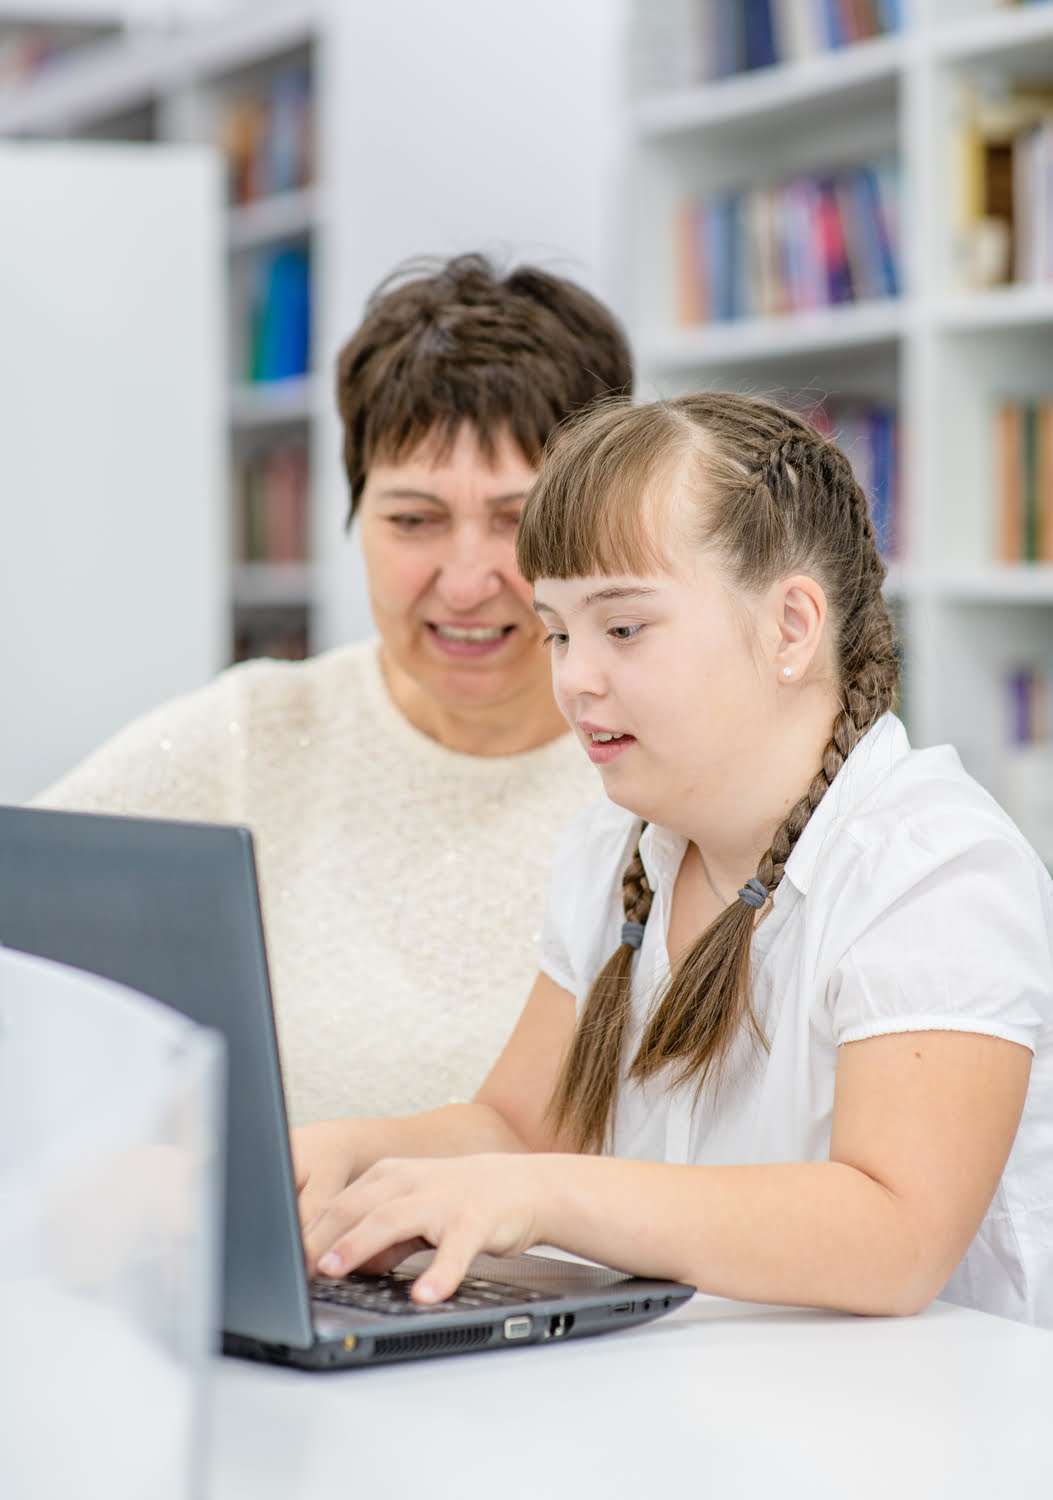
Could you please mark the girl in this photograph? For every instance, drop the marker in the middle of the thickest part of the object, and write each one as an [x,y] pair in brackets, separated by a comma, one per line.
[812,968]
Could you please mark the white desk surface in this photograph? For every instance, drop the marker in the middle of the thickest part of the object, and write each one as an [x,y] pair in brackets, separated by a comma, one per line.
[721,1399]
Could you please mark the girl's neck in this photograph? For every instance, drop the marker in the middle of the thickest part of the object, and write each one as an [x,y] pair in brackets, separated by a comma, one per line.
[734,831]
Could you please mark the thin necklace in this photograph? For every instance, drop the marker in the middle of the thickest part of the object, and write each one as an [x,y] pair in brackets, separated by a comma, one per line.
[709,879]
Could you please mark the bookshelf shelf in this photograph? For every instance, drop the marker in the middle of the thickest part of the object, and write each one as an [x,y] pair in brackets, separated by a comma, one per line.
[1002,35]
[856,326]
[273,403]
[272,585]
[281,216]
[865,73]
[994,584]
[1018,306]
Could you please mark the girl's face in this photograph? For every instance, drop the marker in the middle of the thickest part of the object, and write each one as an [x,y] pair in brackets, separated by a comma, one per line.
[665,678]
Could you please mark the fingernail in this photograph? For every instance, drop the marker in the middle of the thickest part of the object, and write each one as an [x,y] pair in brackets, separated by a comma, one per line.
[329,1265]
[427,1291]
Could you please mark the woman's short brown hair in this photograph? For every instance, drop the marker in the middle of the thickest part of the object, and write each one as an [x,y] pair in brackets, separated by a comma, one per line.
[443,343]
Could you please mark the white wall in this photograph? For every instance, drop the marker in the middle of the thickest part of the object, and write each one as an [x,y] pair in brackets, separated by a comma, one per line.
[454,127]
[113,544]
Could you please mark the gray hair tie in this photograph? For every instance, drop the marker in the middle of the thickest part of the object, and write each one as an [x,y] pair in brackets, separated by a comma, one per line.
[632,934]
[754,892]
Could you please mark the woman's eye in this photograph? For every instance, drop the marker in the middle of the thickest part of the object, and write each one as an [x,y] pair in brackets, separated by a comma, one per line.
[625,632]
[555,638]
[507,520]
[410,522]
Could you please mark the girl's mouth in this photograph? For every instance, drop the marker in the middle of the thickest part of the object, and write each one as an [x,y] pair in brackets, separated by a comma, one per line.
[605,746]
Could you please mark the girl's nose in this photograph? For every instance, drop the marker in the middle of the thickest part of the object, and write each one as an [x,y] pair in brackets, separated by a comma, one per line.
[577,677]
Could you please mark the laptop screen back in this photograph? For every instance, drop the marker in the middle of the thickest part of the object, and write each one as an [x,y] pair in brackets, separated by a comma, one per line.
[171,909]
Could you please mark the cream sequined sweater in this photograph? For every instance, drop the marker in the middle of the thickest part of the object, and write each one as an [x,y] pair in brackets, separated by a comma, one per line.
[403,884]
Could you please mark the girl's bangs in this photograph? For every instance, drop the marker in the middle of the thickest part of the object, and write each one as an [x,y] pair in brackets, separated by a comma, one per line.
[591,509]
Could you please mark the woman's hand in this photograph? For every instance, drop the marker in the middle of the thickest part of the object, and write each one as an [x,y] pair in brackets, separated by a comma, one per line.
[461,1206]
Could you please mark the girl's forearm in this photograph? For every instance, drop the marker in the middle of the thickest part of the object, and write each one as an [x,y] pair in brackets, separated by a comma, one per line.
[451,1130]
[810,1234]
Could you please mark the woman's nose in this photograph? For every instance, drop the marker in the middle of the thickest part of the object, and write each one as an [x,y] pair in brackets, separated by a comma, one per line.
[469,576]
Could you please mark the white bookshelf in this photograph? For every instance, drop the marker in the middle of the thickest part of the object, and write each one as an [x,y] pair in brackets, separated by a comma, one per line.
[943,352]
[171,86]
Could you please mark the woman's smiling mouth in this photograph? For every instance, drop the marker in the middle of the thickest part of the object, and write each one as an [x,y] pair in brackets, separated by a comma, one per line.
[468,640]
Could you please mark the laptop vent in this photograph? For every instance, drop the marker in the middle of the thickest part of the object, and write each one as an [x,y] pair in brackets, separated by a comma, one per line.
[442,1341]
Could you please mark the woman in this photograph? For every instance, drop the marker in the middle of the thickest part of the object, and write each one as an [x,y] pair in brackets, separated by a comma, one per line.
[405,794]
[792,1040]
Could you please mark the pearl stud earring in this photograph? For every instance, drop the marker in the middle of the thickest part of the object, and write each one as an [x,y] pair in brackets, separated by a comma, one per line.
[786,672]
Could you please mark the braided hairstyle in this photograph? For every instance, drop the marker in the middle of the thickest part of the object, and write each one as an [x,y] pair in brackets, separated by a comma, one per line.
[777,498]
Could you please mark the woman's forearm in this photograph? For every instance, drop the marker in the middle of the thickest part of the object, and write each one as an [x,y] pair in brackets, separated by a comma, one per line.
[811,1234]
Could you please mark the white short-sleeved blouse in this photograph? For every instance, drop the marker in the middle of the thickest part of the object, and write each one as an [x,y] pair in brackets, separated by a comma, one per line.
[910,903]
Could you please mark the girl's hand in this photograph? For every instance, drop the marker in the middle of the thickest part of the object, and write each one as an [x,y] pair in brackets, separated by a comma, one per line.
[323,1158]
[461,1206]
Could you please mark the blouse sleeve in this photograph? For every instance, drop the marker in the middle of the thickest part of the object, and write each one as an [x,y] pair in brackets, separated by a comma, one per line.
[967,945]
[584,910]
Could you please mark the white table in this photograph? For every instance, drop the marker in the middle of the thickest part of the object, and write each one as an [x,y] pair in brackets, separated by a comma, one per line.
[721,1399]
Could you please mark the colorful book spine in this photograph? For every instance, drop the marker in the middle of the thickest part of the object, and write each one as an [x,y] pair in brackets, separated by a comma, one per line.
[268,138]
[275,489]
[1029,705]
[1023,447]
[806,243]
[1004,203]
[684,42]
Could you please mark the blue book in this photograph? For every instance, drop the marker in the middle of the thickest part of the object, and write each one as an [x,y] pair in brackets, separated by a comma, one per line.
[830,17]
[759,33]
[284,332]
[890,14]
[874,193]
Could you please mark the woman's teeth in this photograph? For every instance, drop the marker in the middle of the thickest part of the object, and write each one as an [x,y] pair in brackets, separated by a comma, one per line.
[602,739]
[480,633]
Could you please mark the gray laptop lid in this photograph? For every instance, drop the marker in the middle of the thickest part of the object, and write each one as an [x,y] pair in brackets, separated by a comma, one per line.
[171,909]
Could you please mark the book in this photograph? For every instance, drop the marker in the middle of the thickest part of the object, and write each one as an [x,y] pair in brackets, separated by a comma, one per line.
[1023,478]
[679,43]
[267,137]
[274,505]
[280,316]
[810,241]
[1004,184]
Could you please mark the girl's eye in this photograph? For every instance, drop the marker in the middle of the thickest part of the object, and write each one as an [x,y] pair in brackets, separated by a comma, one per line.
[556,638]
[625,632]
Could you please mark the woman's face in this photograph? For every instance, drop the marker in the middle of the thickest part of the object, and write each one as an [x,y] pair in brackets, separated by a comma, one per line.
[452,611]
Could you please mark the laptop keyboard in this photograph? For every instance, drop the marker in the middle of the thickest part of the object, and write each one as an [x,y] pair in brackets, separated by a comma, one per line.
[391,1294]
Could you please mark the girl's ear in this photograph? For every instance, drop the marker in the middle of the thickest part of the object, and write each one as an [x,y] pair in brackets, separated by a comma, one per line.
[800,618]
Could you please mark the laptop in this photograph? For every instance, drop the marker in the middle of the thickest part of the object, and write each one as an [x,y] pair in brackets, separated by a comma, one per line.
[172,910]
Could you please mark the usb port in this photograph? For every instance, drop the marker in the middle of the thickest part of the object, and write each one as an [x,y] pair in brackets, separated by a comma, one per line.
[517,1328]
[621,1308]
